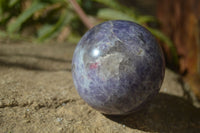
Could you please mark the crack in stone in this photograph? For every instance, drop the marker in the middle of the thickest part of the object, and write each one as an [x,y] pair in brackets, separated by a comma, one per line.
[111,30]
[38,105]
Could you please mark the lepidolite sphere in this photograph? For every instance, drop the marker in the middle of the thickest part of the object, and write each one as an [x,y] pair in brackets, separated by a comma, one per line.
[117,67]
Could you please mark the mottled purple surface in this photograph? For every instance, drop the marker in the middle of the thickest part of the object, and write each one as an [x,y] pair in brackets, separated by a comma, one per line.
[117,67]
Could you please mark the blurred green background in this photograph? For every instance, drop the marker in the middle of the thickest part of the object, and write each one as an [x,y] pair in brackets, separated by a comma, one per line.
[43,20]
[50,19]
[57,20]
[175,24]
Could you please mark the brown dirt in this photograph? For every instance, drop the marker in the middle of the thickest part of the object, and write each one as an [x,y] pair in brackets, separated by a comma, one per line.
[37,95]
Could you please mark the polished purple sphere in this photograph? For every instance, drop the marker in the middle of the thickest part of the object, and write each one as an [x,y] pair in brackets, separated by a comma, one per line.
[117,67]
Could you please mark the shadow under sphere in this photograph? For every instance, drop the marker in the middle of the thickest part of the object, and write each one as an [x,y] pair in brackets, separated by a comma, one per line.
[166,113]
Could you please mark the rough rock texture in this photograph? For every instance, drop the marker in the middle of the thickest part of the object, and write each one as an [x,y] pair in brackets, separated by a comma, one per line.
[37,95]
[117,67]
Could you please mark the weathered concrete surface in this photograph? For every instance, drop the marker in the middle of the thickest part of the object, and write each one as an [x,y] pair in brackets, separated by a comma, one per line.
[37,95]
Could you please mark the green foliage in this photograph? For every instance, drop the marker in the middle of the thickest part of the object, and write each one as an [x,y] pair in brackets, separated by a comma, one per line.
[49,17]
[24,16]
[46,17]
[168,42]
[112,14]
[11,3]
[48,31]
